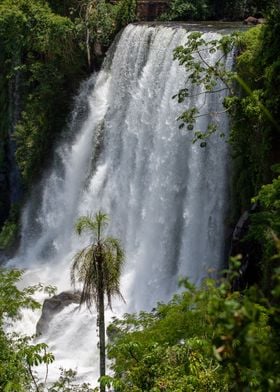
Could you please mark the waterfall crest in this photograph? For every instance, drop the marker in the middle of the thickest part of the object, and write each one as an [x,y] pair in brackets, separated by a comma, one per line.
[125,155]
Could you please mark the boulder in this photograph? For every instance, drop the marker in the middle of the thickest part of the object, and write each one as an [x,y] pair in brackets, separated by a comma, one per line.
[251,20]
[54,305]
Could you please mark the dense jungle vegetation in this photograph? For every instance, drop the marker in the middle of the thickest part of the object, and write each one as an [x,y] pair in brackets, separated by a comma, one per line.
[46,49]
[220,337]
[215,9]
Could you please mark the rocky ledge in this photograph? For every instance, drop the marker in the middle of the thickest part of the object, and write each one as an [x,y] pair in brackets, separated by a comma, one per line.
[54,305]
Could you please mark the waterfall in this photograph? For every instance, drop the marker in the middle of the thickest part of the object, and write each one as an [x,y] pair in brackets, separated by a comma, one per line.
[124,154]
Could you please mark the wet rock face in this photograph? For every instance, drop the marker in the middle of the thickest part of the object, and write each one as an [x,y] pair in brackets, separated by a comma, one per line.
[54,305]
[250,250]
[149,10]
[4,192]
[251,20]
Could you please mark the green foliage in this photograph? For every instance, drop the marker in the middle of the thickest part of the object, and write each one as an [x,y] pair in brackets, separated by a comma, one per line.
[125,12]
[10,230]
[206,79]
[46,49]
[183,10]
[8,235]
[42,61]
[11,298]
[253,103]
[252,100]
[205,339]
[255,133]
[67,383]
[249,137]
[214,9]
[99,21]
[265,230]
[102,23]
[43,58]
[17,354]
[107,251]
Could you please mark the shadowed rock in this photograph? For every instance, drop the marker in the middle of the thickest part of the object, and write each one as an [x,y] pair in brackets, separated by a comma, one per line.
[249,249]
[251,20]
[54,305]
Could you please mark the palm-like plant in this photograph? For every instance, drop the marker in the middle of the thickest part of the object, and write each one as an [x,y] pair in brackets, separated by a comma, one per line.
[98,267]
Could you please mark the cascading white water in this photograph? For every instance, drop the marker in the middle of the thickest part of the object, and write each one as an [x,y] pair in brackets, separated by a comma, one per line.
[165,195]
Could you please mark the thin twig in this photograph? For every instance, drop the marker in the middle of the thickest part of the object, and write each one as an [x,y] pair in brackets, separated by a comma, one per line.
[33,378]
[211,113]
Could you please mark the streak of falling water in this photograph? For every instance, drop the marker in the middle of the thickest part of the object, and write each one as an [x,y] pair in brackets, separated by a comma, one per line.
[165,196]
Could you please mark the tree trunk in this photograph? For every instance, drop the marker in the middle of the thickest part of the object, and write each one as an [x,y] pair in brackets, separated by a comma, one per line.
[88,11]
[102,339]
[101,318]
